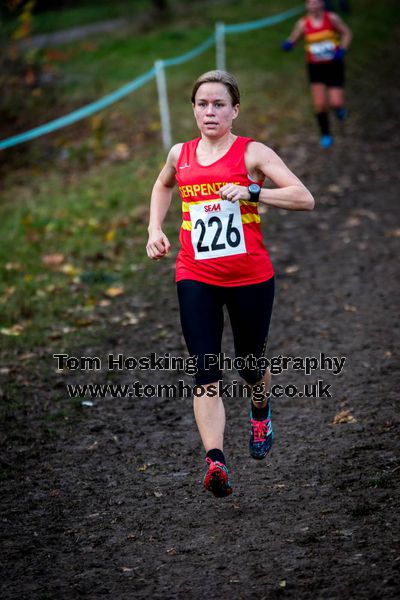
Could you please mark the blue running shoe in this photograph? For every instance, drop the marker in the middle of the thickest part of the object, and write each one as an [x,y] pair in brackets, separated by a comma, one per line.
[326,141]
[216,479]
[261,436]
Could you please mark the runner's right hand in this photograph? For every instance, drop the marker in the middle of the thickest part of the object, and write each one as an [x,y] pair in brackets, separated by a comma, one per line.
[287,45]
[158,245]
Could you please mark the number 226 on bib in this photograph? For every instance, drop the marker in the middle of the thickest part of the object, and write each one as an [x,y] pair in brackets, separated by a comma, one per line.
[217,229]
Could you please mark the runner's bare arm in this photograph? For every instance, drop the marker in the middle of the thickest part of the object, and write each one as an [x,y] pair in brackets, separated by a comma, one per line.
[158,244]
[291,193]
[262,162]
[343,29]
[298,31]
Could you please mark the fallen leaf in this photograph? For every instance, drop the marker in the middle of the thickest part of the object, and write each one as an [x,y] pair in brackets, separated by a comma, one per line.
[12,331]
[93,223]
[121,152]
[344,416]
[27,356]
[56,335]
[70,270]
[392,232]
[350,308]
[90,304]
[84,322]
[126,569]
[154,125]
[144,467]
[11,266]
[158,494]
[92,446]
[171,551]
[52,260]
[370,214]
[9,291]
[291,269]
[130,319]
[121,222]
[112,292]
[352,222]
[109,235]
[282,583]
[103,303]
[115,319]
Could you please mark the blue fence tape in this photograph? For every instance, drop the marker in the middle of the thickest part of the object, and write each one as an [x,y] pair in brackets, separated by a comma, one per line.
[172,62]
[93,107]
[251,25]
[81,113]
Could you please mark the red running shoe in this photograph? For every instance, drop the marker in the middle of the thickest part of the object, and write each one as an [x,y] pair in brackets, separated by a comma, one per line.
[216,479]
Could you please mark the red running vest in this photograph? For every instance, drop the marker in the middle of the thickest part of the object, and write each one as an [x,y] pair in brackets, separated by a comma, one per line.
[221,241]
[320,42]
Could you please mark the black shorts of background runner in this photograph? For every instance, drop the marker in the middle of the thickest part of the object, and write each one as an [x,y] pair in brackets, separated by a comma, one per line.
[330,74]
[202,318]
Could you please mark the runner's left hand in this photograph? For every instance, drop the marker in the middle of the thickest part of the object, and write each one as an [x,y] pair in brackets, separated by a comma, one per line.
[339,54]
[233,192]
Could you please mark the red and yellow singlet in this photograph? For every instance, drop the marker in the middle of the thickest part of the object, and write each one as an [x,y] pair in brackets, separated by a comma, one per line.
[221,241]
[320,42]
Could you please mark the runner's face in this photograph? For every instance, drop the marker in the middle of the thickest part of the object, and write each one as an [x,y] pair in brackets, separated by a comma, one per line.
[213,109]
[314,6]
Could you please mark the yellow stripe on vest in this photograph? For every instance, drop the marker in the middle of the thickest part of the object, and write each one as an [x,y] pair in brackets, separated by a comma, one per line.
[187,225]
[185,205]
[251,218]
[326,34]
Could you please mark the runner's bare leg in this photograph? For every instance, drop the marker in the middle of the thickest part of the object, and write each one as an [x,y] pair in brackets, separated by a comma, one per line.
[209,413]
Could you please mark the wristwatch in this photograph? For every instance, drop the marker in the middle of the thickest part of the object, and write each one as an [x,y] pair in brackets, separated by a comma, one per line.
[254,191]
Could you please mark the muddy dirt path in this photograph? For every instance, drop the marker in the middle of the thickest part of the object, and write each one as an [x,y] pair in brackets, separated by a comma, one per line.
[109,502]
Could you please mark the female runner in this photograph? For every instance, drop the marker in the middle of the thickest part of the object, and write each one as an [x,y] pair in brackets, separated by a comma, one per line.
[327,39]
[222,259]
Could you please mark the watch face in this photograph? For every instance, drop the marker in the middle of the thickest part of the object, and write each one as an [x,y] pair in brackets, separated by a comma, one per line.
[254,188]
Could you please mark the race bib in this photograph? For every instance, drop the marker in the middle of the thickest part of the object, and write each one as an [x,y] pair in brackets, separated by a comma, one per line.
[323,50]
[217,229]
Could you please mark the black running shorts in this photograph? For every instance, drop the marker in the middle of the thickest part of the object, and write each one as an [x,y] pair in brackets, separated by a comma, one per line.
[330,73]
[201,310]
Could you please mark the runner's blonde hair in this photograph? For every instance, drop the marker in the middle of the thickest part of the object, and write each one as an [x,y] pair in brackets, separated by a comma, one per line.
[227,79]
